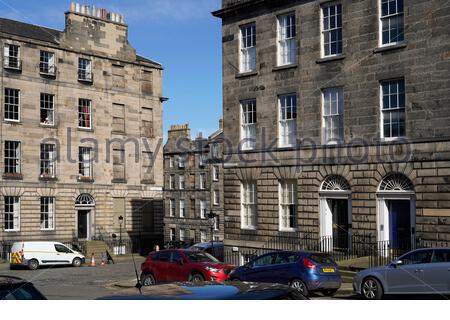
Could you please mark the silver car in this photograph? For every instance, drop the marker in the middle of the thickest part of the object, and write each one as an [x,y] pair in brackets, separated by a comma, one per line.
[424,271]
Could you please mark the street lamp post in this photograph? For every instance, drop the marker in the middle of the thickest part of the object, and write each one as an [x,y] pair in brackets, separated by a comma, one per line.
[212,221]
[120,235]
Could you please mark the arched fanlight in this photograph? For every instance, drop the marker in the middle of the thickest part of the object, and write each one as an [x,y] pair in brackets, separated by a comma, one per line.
[335,183]
[85,200]
[396,182]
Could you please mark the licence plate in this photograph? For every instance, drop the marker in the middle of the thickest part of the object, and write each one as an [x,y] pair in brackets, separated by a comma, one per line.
[328,270]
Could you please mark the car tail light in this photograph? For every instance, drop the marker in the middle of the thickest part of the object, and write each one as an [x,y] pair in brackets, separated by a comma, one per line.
[309,264]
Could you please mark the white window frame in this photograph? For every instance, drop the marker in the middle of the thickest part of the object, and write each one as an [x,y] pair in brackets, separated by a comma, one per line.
[172,208]
[172,182]
[84,103]
[17,158]
[181,162]
[202,181]
[248,205]
[330,112]
[85,70]
[49,203]
[247,48]
[216,198]
[7,57]
[85,164]
[48,162]
[15,213]
[47,103]
[216,176]
[248,124]
[203,236]
[182,182]
[47,63]
[389,18]
[12,105]
[286,41]
[338,30]
[172,234]
[171,162]
[287,196]
[182,234]
[182,208]
[287,124]
[391,110]
[203,209]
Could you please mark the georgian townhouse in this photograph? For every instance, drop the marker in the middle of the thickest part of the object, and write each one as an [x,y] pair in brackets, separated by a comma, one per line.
[337,118]
[81,121]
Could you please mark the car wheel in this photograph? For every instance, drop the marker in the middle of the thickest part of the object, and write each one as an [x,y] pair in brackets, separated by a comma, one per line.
[329,293]
[33,264]
[236,280]
[197,277]
[76,262]
[300,286]
[371,289]
[148,280]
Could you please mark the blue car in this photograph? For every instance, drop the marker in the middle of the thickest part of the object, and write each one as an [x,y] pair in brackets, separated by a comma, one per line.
[306,271]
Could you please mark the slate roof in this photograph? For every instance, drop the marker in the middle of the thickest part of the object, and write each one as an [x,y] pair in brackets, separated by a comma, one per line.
[30,31]
[39,33]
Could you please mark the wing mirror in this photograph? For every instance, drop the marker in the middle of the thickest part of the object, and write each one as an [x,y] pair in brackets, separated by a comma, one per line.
[396,263]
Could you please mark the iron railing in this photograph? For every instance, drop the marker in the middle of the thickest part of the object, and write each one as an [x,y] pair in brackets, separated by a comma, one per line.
[346,247]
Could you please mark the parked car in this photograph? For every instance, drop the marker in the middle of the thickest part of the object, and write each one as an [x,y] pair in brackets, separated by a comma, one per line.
[423,271]
[35,254]
[210,291]
[215,248]
[306,271]
[183,265]
[175,244]
[13,288]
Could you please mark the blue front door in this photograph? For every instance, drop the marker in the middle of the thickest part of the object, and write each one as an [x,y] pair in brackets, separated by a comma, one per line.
[400,224]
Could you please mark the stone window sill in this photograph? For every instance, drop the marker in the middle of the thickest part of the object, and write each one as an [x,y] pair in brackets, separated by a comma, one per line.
[119,181]
[85,180]
[391,47]
[246,74]
[286,67]
[12,176]
[330,59]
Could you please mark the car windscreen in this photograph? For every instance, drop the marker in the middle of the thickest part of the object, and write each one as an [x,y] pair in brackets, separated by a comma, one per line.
[321,258]
[23,292]
[200,256]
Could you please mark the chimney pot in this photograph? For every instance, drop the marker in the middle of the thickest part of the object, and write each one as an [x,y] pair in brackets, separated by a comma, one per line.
[72,6]
[77,8]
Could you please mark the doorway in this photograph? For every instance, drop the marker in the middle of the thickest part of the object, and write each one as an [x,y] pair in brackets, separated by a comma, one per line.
[83,224]
[335,223]
[400,233]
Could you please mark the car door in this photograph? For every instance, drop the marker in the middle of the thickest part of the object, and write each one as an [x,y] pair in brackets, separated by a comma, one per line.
[260,269]
[437,273]
[62,254]
[408,277]
[284,267]
[160,265]
[175,270]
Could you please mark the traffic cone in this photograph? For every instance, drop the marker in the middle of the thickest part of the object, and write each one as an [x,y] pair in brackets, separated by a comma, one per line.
[92,264]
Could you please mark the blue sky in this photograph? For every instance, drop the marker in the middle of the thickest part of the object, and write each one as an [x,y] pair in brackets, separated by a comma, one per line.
[180,34]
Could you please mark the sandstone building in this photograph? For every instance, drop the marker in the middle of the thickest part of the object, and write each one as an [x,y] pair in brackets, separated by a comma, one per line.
[80,131]
[193,186]
[337,115]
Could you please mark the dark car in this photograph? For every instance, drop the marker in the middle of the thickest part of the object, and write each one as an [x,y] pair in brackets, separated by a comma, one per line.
[210,291]
[13,288]
[176,245]
[215,248]
[177,265]
[306,271]
[422,272]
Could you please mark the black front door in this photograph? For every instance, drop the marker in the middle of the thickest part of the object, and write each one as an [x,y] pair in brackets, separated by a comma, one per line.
[339,208]
[83,224]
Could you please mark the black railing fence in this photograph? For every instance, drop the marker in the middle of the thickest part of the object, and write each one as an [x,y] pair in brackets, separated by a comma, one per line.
[345,247]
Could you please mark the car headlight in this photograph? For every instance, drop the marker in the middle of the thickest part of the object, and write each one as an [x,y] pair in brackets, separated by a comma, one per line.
[213,270]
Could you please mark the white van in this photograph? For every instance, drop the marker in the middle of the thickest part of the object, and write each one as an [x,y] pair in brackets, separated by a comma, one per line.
[35,254]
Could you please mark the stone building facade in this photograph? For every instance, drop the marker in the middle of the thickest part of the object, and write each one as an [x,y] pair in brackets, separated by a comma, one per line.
[337,119]
[80,132]
[193,179]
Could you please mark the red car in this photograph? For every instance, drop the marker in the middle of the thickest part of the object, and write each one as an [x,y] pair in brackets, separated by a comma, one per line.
[178,265]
